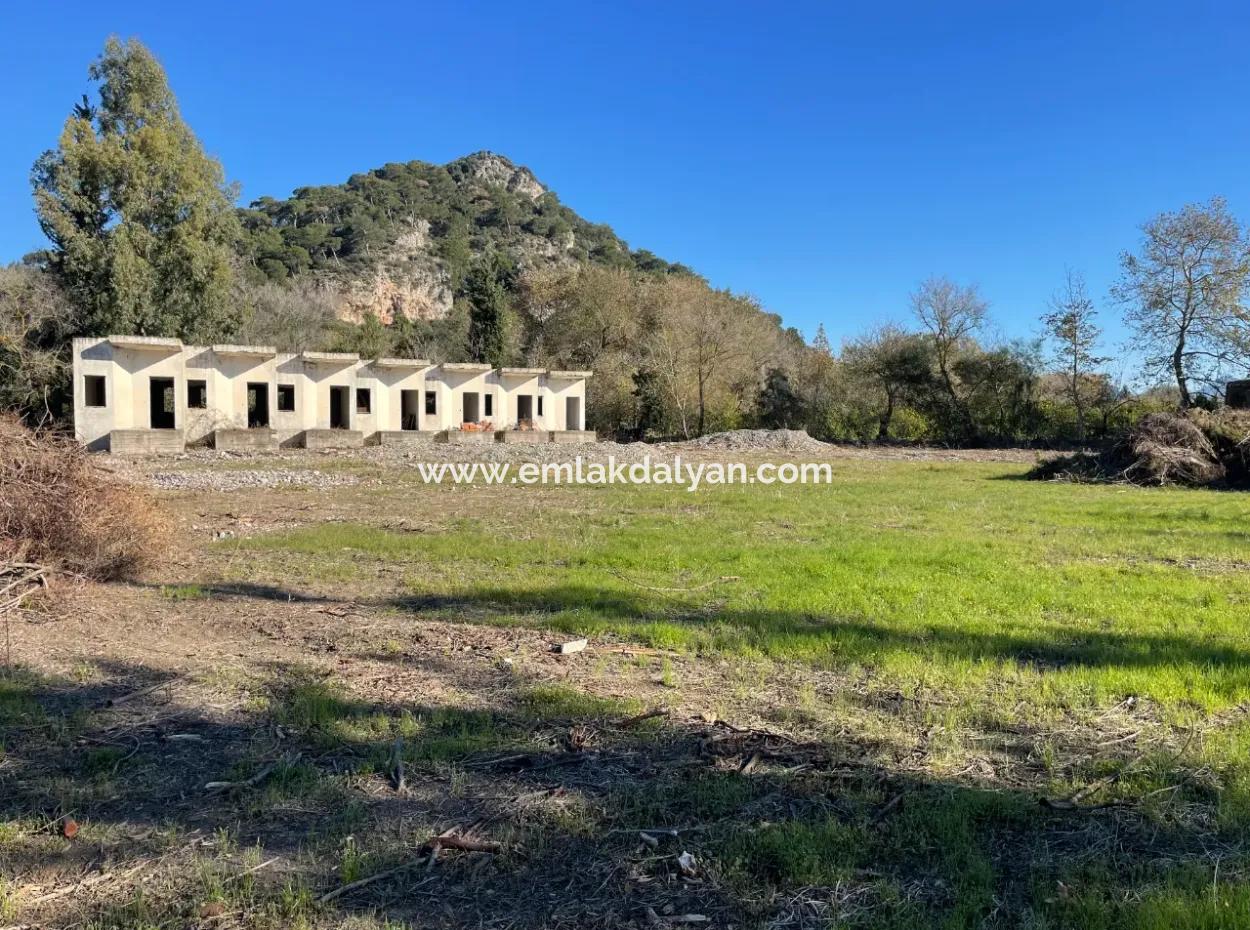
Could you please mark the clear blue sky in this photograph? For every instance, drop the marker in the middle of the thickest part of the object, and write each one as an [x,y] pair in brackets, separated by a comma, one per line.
[824,157]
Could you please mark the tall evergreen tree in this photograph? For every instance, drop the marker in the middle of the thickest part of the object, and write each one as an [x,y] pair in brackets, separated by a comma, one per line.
[486,288]
[140,219]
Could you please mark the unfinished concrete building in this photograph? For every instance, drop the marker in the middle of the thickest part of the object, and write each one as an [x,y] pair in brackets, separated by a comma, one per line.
[150,394]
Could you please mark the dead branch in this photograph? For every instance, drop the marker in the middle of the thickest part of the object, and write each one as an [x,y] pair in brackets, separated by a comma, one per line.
[452,839]
[636,719]
[369,880]
[214,786]
[142,692]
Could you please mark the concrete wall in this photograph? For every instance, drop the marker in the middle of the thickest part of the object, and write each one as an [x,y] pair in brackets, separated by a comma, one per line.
[127,365]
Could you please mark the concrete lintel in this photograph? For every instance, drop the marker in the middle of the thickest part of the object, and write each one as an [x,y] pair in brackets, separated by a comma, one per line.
[401,363]
[333,357]
[148,343]
[568,375]
[245,351]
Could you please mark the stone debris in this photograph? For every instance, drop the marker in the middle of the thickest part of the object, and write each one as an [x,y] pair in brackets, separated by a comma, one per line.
[575,645]
[236,480]
[755,440]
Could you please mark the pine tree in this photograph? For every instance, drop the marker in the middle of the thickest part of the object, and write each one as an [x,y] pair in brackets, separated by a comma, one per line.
[140,219]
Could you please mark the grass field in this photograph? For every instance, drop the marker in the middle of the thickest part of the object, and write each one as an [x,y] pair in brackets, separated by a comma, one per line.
[929,695]
[950,577]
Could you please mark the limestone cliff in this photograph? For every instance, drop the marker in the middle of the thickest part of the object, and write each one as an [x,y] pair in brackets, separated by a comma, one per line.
[398,240]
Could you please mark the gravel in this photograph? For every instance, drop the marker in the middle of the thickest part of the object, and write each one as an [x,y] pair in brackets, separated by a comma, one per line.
[755,440]
[234,480]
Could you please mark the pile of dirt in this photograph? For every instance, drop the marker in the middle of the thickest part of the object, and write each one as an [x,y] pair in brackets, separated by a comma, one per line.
[1193,449]
[755,440]
[59,509]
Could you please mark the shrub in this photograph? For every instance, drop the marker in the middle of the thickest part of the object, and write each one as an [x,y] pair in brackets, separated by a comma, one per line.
[59,508]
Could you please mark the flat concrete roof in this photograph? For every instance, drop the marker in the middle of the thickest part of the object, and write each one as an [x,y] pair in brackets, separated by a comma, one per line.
[248,351]
[466,366]
[522,371]
[330,356]
[401,363]
[569,375]
[150,343]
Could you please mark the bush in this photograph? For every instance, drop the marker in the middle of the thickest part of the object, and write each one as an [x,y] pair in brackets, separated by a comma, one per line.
[58,508]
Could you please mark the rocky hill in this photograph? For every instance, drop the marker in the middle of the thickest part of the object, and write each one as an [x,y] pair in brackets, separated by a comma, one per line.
[398,240]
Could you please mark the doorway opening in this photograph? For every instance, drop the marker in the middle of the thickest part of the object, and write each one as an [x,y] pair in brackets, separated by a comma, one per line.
[257,406]
[524,412]
[161,401]
[471,414]
[409,405]
[340,415]
[573,413]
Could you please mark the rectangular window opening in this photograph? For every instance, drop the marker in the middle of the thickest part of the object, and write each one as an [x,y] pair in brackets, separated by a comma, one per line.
[197,395]
[363,400]
[431,403]
[286,398]
[489,408]
[94,390]
[540,405]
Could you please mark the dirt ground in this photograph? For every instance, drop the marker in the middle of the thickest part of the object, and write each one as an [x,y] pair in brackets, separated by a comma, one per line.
[193,750]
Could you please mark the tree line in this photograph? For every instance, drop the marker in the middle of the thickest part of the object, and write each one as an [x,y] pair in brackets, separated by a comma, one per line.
[144,238]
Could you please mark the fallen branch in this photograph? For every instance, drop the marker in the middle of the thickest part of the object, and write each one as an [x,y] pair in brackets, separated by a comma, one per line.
[636,719]
[142,692]
[450,839]
[361,883]
[252,782]
[247,872]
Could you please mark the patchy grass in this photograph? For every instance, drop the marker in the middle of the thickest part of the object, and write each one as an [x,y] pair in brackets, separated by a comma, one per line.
[950,576]
[950,699]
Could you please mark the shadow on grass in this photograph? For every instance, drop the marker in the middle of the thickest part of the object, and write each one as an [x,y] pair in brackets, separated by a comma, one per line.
[848,638]
[782,832]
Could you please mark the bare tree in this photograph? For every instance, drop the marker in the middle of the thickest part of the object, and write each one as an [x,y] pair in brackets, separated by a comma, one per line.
[292,317]
[1183,296]
[36,322]
[952,314]
[703,343]
[1071,326]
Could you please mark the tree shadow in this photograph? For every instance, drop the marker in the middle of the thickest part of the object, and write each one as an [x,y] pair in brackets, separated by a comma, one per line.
[591,806]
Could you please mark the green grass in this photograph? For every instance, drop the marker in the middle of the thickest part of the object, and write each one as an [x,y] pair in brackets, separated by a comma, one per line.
[1020,613]
[950,576]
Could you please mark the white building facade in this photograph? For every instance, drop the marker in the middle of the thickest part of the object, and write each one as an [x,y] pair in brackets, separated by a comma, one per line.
[142,393]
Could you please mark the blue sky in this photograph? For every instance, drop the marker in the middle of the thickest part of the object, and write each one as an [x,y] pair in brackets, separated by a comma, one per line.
[824,157]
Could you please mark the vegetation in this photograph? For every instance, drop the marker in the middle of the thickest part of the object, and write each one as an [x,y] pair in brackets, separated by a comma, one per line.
[477,259]
[948,576]
[930,695]
[140,221]
[1185,296]
[59,509]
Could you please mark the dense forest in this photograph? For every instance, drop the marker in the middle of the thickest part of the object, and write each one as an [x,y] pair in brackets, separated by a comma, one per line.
[477,259]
